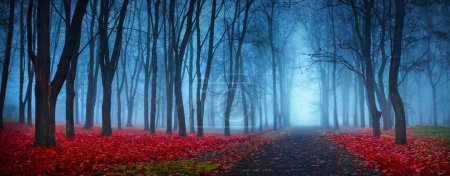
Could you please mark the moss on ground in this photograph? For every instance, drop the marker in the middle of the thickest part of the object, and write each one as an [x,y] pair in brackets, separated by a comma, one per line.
[182,167]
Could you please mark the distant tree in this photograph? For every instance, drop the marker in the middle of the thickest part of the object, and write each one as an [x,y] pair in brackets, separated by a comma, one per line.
[22,101]
[131,85]
[30,51]
[235,59]
[7,60]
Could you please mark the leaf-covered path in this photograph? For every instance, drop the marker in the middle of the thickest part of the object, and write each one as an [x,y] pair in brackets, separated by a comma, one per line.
[300,151]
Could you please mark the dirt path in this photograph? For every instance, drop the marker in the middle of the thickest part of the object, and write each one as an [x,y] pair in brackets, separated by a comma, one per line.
[301,151]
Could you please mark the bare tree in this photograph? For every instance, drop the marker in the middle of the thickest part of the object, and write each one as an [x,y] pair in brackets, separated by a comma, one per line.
[154,64]
[203,85]
[47,90]
[178,50]
[234,69]
[7,60]
[91,95]
[396,100]
[108,65]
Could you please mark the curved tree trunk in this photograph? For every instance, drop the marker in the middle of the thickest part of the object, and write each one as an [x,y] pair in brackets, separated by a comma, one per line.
[397,103]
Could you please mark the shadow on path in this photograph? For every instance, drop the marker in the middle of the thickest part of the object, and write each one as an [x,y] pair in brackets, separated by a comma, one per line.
[301,151]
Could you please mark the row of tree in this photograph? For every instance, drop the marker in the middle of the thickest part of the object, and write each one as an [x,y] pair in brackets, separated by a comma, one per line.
[361,42]
[177,33]
[229,54]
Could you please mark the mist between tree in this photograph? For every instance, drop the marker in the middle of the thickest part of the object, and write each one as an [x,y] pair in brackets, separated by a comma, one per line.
[225,66]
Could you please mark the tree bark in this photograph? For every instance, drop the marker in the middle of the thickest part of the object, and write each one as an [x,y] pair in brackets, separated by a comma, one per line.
[179,54]
[201,99]
[108,65]
[46,91]
[245,111]
[396,100]
[154,67]
[233,81]
[91,94]
[22,102]
[70,81]
[375,114]
[31,56]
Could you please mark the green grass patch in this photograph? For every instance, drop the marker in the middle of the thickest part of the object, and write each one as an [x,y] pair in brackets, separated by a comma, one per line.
[432,131]
[182,167]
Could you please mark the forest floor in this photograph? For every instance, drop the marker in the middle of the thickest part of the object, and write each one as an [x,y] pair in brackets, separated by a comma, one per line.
[292,151]
[427,151]
[130,151]
[301,151]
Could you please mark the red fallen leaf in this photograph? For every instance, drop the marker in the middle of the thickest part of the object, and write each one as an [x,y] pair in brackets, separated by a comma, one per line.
[88,152]
[419,157]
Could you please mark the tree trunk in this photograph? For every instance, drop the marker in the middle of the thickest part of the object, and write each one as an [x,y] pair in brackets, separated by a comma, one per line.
[355,101]
[92,73]
[375,114]
[106,108]
[266,119]
[22,102]
[130,114]
[107,64]
[244,110]
[168,66]
[397,103]
[46,91]
[179,54]
[434,104]
[212,105]
[119,110]
[204,84]
[7,60]
[325,97]
[233,83]
[260,114]
[30,46]
[191,76]
[70,97]
[154,68]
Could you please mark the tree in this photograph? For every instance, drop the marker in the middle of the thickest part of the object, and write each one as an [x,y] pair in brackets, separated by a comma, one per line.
[47,90]
[269,12]
[333,80]
[364,39]
[154,63]
[22,101]
[30,52]
[396,100]
[379,90]
[168,65]
[131,86]
[7,60]
[70,80]
[233,79]
[91,94]
[203,85]
[178,50]
[108,65]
